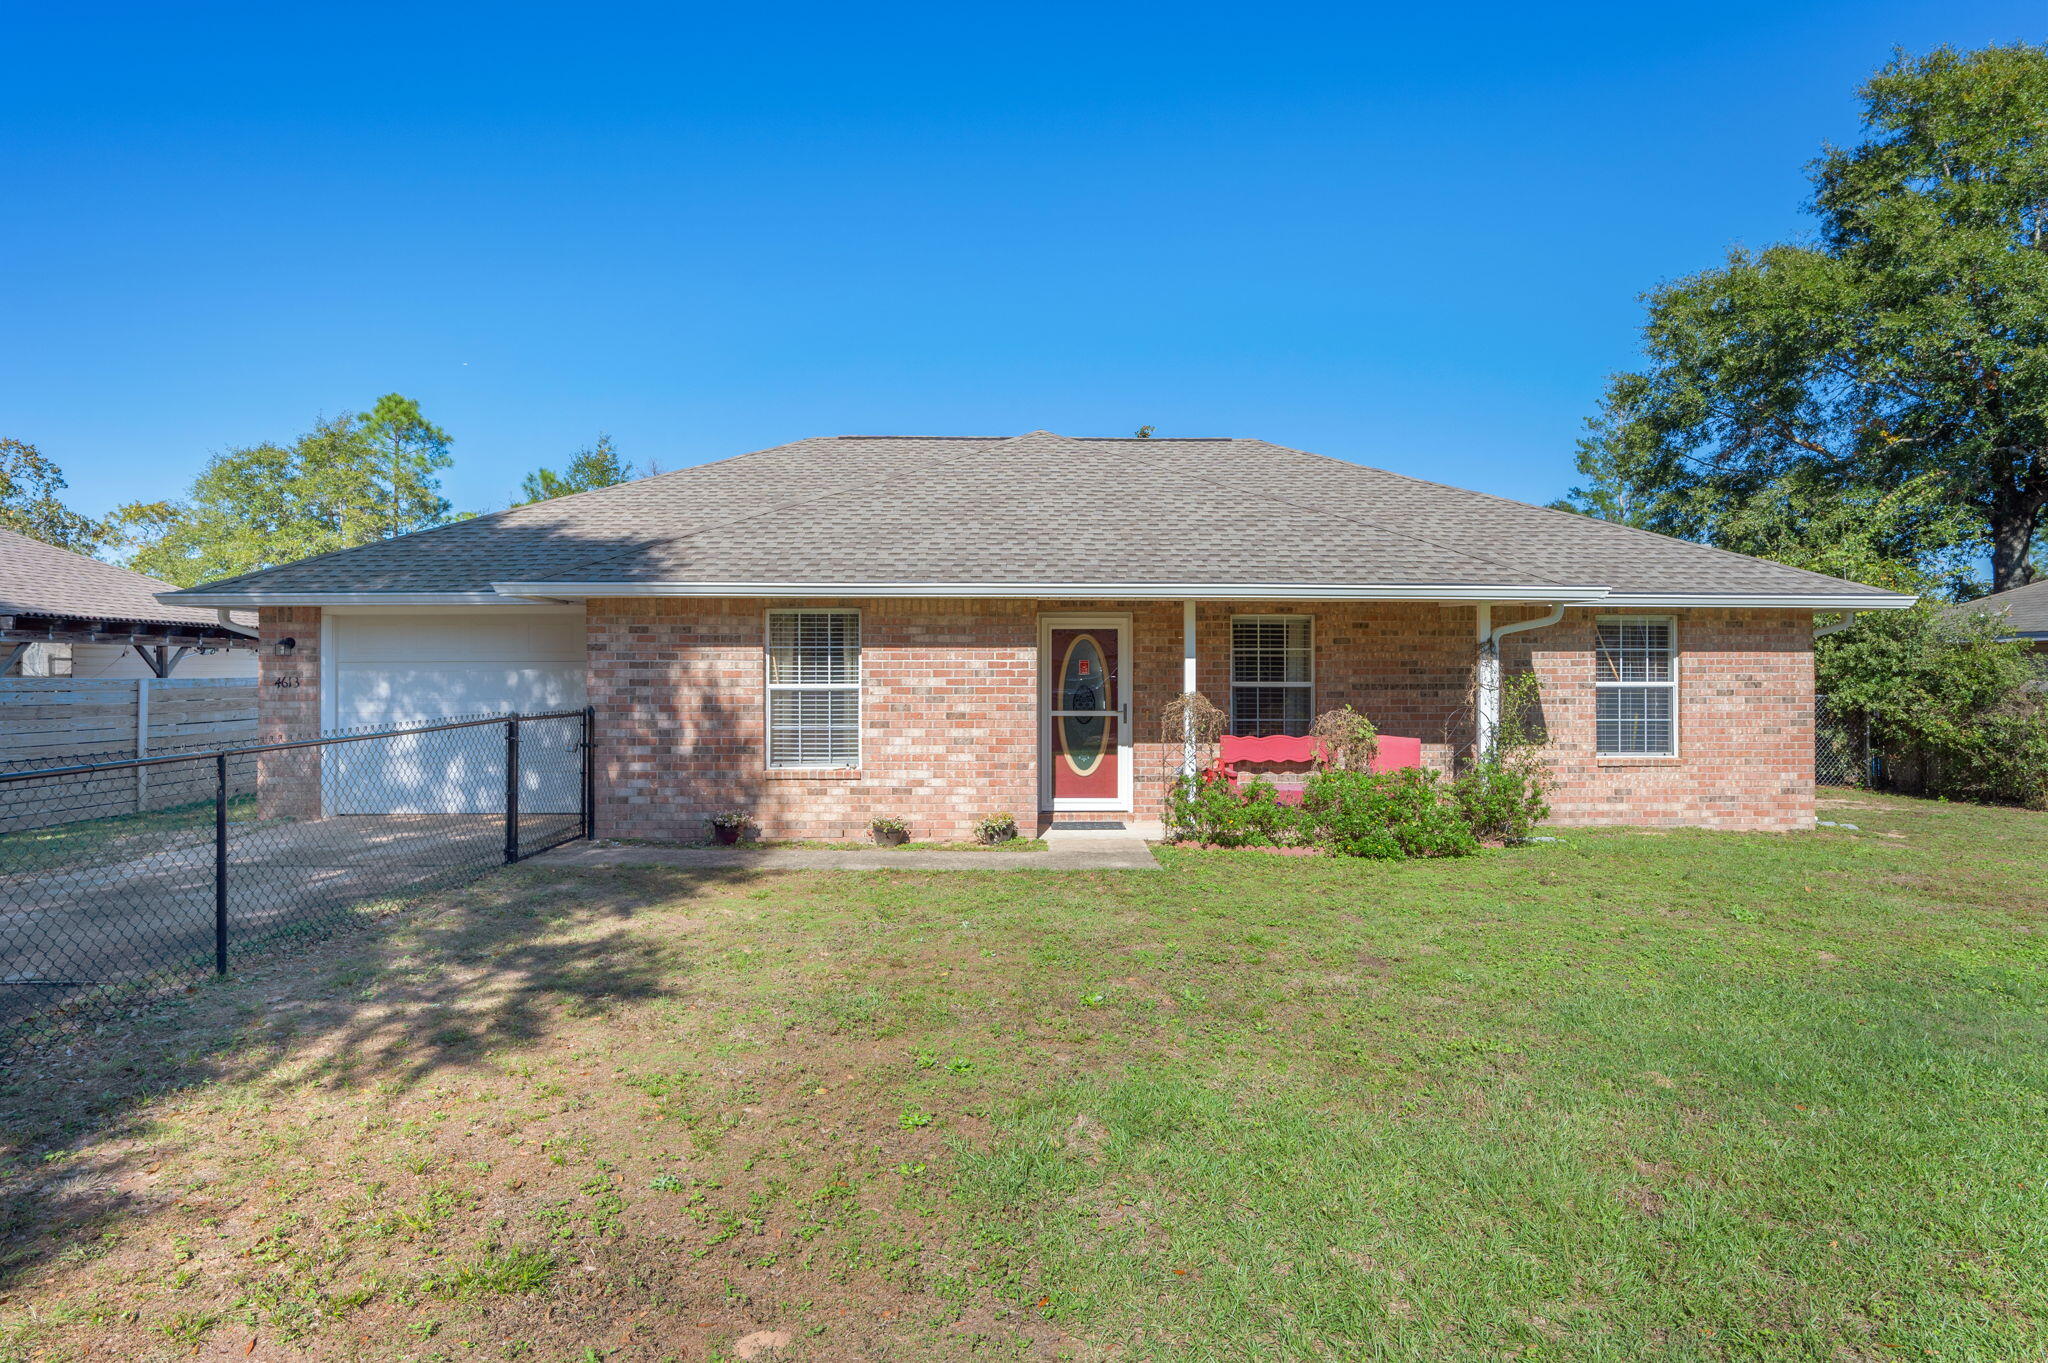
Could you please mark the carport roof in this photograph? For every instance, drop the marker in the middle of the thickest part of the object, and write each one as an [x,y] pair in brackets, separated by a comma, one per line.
[1036,515]
[38,579]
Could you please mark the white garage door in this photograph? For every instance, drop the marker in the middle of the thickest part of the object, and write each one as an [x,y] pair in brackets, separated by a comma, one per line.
[404,668]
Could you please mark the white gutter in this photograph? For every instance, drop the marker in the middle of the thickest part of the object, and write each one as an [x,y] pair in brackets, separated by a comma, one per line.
[503,593]
[1127,591]
[1886,601]
[248,600]
[1490,636]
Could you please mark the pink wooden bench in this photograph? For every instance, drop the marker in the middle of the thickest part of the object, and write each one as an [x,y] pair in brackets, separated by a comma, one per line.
[1393,754]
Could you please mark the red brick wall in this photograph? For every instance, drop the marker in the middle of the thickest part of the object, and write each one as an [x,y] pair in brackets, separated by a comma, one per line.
[1745,724]
[288,707]
[948,732]
[1408,667]
[950,722]
[1745,701]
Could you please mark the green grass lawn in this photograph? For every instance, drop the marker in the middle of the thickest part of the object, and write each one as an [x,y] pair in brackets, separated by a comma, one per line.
[1628,1095]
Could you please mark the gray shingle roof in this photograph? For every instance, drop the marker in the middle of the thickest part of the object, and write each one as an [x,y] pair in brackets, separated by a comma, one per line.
[2025,608]
[1035,508]
[41,579]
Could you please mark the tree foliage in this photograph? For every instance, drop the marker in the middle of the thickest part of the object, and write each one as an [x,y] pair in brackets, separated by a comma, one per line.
[412,451]
[590,468]
[348,481]
[31,504]
[1907,344]
[1950,707]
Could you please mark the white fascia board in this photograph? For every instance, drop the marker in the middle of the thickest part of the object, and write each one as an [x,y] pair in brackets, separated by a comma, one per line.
[1888,601]
[251,600]
[543,593]
[1125,591]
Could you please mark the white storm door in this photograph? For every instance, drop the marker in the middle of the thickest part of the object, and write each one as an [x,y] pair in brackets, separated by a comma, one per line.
[1085,712]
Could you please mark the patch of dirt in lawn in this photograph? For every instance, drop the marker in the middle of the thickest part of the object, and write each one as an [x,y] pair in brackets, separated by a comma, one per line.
[517,1126]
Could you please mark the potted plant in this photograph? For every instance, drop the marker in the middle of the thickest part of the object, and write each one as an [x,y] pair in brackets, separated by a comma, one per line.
[889,830]
[729,827]
[996,828]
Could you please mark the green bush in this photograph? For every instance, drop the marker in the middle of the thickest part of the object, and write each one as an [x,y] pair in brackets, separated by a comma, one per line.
[1952,707]
[1210,812]
[1500,801]
[1389,815]
[1999,757]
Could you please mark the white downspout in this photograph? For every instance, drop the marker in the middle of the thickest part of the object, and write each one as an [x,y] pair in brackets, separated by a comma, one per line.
[1848,619]
[1187,685]
[1489,667]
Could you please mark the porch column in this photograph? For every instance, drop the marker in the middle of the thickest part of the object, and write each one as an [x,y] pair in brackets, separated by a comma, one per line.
[1486,699]
[1188,756]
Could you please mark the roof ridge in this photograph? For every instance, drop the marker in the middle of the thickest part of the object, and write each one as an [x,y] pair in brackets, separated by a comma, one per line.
[1574,516]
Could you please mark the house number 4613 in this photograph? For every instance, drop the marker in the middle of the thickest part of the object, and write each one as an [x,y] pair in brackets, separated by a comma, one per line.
[285,679]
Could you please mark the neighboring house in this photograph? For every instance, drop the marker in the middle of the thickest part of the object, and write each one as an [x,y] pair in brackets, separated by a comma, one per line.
[66,615]
[942,628]
[2024,611]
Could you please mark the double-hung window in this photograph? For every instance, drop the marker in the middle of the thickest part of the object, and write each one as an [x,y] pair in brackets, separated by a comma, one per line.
[1272,675]
[1636,681]
[813,688]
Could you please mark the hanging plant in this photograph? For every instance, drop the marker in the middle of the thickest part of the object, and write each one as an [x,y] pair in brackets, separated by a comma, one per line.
[1190,713]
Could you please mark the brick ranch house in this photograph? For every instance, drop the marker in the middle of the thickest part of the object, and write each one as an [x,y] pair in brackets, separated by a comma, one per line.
[943,628]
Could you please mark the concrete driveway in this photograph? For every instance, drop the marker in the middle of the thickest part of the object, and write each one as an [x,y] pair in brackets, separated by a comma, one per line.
[92,928]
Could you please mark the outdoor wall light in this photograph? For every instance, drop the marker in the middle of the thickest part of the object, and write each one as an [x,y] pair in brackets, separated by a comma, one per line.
[283,648]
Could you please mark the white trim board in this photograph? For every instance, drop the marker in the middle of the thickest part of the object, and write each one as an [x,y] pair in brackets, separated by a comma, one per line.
[1127,591]
[567,593]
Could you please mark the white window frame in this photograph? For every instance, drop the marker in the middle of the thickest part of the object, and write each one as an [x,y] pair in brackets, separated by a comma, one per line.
[1670,684]
[771,687]
[1308,686]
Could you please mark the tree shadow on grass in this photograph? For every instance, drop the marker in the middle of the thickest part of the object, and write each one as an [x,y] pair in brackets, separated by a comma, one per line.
[466,975]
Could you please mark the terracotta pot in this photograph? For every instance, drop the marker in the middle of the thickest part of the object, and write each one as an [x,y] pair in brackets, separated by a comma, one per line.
[726,834]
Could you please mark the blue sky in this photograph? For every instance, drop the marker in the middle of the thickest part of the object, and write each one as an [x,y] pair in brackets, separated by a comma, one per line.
[1408,236]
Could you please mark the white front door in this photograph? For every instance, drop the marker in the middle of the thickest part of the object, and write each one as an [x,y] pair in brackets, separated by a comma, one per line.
[1084,689]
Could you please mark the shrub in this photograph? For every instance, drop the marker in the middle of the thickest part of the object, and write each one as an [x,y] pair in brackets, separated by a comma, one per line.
[732,818]
[1501,795]
[1500,801]
[996,828]
[1350,739]
[1211,812]
[888,824]
[1998,757]
[1953,707]
[1389,815]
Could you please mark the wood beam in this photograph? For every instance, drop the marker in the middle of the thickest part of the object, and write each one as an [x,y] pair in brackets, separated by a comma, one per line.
[54,630]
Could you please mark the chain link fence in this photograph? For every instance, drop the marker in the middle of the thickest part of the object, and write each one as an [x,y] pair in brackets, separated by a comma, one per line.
[1841,746]
[102,905]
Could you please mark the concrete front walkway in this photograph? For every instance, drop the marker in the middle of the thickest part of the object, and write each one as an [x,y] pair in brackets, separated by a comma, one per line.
[1096,853]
